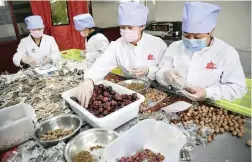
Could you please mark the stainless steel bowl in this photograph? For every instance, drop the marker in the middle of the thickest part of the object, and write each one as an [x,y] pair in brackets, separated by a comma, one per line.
[87,139]
[67,121]
[142,91]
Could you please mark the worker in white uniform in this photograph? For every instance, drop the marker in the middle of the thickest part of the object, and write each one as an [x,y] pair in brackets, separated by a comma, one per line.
[136,52]
[37,48]
[205,66]
[96,43]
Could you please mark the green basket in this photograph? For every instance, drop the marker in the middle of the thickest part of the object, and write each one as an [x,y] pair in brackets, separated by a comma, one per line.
[117,71]
[241,106]
[72,54]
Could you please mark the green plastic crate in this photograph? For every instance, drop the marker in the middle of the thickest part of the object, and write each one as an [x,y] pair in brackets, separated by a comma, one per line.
[72,54]
[241,106]
[117,71]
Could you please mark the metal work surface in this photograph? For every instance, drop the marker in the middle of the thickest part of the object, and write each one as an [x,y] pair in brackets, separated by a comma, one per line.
[225,148]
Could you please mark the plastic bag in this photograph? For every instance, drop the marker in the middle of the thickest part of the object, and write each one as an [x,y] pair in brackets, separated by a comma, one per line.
[34,152]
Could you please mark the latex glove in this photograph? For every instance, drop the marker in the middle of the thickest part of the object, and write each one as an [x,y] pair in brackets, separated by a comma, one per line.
[140,72]
[173,78]
[195,94]
[46,60]
[29,61]
[84,92]
[83,53]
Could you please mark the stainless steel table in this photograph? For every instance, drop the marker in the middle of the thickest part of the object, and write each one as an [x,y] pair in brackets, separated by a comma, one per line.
[224,148]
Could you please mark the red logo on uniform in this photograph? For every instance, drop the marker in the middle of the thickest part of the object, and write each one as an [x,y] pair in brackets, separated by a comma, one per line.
[150,57]
[211,65]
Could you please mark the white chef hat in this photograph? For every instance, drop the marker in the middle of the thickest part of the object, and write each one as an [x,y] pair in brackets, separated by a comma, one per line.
[34,22]
[83,21]
[199,17]
[133,14]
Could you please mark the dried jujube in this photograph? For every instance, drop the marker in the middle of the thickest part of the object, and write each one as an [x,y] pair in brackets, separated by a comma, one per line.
[145,155]
[105,101]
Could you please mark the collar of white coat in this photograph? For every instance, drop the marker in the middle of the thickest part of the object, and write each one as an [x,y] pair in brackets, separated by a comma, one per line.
[211,44]
[140,41]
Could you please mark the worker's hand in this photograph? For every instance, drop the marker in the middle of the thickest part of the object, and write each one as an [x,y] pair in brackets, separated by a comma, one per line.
[29,61]
[140,72]
[46,60]
[195,93]
[173,78]
[84,92]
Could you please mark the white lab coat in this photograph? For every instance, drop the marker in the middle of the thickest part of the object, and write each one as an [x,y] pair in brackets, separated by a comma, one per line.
[95,47]
[120,53]
[216,68]
[48,47]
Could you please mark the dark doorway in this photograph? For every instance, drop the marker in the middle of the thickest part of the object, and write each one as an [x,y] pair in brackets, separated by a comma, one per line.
[12,29]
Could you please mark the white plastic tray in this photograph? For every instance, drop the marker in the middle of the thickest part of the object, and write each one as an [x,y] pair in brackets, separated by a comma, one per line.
[155,135]
[16,125]
[46,71]
[112,120]
[177,107]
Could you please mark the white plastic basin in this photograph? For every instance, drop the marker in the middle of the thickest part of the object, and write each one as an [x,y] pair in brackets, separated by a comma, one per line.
[112,120]
[157,136]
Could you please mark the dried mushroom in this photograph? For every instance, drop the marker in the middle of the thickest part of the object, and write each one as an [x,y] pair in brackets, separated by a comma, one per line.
[42,92]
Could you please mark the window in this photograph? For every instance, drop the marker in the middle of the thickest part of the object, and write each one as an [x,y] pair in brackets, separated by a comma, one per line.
[2,3]
[59,12]
[22,9]
[7,31]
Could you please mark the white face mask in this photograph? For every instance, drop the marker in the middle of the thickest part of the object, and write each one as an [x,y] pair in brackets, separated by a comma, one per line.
[129,35]
[37,33]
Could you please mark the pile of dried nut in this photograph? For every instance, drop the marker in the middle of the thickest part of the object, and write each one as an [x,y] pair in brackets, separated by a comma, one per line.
[165,102]
[83,156]
[152,96]
[95,147]
[145,155]
[134,86]
[113,78]
[217,119]
[55,134]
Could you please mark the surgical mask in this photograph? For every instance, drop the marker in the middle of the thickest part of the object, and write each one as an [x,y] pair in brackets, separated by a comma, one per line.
[83,34]
[194,45]
[129,35]
[37,33]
